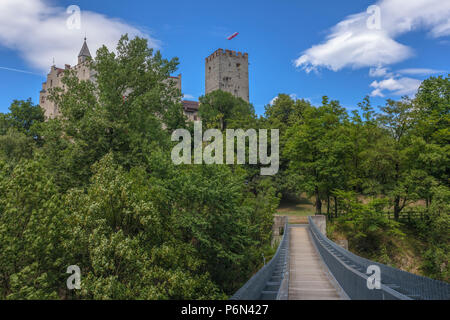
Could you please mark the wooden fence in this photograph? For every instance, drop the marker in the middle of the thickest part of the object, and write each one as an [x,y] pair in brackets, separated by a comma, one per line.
[407,215]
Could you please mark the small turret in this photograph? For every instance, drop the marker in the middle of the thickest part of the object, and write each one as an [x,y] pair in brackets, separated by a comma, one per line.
[84,53]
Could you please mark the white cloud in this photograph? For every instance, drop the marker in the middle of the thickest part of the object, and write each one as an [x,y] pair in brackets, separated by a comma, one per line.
[189,97]
[420,71]
[379,72]
[441,30]
[400,87]
[273,100]
[293,96]
[352,44]
[356,49]
[38,32]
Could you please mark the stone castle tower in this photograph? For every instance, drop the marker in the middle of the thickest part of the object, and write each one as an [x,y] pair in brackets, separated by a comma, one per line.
[228,71]
[55,76]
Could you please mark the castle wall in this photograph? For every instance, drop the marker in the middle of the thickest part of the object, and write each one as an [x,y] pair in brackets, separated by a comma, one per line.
[54,80]
[177,81]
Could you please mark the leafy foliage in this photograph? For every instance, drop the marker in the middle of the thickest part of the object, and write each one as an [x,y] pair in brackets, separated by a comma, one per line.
[220,109]
[366,225]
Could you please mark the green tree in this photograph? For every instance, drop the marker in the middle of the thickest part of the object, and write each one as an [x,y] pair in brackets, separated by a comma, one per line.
[222,110]
[397,119]
[366,225]
[31,233]
[228,225]
[15,145]
[125,246]
[22,116]
[437,256]
[430,147]
[281,115]
[315,150]
[129,110]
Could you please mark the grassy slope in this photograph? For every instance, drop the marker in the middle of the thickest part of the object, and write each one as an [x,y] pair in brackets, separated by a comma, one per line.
[297,211]
[402,253]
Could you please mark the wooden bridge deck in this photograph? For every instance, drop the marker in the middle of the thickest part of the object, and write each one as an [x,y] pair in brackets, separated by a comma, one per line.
[309,278]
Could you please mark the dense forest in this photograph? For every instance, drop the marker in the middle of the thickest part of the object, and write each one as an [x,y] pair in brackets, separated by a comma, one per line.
[97,188]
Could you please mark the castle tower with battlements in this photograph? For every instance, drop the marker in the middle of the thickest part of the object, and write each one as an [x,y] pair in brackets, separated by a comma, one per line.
[227,70]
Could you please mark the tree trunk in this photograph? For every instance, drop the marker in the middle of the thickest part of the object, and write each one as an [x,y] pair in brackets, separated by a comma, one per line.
[397,208]
[328,207]
[335,207]
[397,198]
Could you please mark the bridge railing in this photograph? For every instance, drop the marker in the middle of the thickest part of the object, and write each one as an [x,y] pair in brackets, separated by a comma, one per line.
[254,287]
[283,291]
[349,270]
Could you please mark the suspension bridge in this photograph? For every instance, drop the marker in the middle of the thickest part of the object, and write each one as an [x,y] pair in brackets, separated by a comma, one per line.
[309,266]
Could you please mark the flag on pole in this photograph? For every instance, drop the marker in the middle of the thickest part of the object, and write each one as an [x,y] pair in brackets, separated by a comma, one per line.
[233,35]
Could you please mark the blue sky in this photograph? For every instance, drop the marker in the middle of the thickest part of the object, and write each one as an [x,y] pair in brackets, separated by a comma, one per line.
[304,48]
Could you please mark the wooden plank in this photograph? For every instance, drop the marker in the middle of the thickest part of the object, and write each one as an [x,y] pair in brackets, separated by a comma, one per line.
[308,279]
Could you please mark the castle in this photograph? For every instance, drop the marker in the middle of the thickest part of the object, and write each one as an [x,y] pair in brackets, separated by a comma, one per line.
[225,70]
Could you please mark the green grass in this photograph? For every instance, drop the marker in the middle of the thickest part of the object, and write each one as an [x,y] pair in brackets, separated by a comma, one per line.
[296,210]
[300,208]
